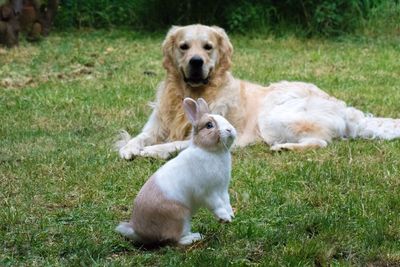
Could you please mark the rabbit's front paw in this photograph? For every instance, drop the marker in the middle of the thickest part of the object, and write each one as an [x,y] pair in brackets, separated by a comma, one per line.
[223,216]
[225,219]
[230,211]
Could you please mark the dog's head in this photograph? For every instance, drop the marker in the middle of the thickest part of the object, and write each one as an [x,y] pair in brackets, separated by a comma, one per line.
[197,53]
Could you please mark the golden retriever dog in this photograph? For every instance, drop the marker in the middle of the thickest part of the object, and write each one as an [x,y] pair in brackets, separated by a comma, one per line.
[285,115]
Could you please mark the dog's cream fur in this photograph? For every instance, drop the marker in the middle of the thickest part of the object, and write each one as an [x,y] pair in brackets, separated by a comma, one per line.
[285,115]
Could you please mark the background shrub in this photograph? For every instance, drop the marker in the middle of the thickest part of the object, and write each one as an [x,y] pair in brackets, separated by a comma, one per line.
[96,13]
[308,17]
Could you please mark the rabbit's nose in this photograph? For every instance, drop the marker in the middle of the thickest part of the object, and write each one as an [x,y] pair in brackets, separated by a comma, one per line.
[231,132]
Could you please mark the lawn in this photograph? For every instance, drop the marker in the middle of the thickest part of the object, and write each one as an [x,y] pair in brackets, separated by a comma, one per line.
[63,189]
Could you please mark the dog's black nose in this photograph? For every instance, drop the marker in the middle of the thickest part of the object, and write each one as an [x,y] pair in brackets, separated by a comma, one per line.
[196,62]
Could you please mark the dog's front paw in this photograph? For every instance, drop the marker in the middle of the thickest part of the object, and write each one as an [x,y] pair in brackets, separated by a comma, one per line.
[279,147]
[152,152]
[129,151]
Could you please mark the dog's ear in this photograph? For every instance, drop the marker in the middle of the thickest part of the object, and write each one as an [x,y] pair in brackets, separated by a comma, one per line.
[225,48]
[168,46]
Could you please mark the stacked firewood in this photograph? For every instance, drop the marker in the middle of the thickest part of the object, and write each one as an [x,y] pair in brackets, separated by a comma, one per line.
[33,17]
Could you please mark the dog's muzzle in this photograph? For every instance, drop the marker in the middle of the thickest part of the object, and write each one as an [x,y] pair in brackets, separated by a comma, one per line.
[196,80]
[195,76]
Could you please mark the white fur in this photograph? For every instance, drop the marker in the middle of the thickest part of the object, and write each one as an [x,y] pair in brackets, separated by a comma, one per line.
[164,151]
[290,104]
[126,230]
[189,238]
[199,178]
[202,179]
[376,128]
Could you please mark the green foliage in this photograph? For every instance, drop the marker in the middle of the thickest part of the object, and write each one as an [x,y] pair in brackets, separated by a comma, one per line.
[96,13]
[383,18]
[319,17]
[308,17]
[249,17]
[157,14]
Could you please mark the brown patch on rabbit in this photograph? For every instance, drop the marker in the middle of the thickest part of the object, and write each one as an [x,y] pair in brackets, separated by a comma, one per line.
[157,218]
[206,133]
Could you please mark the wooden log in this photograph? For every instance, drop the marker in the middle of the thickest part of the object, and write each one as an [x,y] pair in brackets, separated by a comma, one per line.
[9,25]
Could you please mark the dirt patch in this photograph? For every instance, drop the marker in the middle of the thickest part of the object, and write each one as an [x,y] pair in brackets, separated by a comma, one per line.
[384,263]
[75,72]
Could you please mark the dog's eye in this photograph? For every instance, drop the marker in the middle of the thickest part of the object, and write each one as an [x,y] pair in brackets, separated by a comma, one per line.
[184,46]
[209,125]
[207,47]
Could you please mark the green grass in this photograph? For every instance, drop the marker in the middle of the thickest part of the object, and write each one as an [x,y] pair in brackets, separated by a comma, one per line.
[63,189]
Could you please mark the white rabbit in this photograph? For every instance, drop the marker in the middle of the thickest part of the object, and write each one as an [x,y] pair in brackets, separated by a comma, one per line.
[198,177]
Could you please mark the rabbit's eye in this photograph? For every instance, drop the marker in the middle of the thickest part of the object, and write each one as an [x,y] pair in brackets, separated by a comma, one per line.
[209,125]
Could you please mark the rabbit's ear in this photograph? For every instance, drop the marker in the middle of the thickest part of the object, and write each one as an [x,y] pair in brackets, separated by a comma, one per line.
[203,106]
[191,109]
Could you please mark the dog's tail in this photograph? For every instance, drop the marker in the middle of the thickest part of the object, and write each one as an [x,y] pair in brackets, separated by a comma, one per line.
[126,229]
[121,140]
[369,127]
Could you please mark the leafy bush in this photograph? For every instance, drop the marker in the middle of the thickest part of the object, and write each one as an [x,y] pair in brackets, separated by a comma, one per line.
[383,18]
[96,13]
[246,16]
[312,17]
[321,17]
